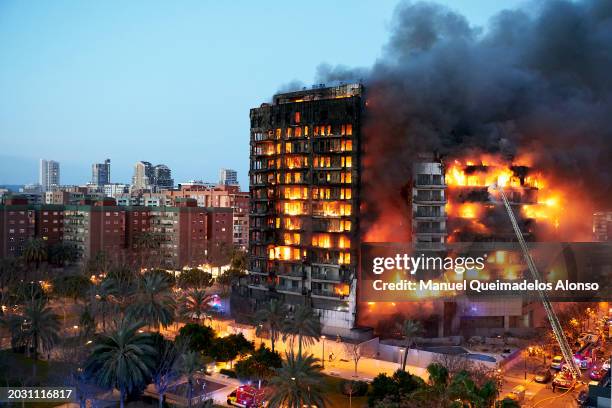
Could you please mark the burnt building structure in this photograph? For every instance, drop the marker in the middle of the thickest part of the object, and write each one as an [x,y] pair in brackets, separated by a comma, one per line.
[453,201]
[304,202]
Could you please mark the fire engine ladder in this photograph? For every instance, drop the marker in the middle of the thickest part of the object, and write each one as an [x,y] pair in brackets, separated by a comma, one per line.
[552,317]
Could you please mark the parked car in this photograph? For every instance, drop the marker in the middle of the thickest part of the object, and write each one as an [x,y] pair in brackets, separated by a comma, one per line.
[543,376]
[597,373]
[517,394]
[557,363]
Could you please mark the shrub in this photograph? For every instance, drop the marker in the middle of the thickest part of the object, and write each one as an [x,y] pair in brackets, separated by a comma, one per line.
[354,388]
[228,372]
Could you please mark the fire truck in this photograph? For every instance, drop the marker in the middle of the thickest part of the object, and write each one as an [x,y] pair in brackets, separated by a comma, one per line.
[247,397]
[584,356]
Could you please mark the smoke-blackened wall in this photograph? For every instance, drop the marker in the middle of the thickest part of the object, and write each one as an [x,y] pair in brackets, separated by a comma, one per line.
[534,81]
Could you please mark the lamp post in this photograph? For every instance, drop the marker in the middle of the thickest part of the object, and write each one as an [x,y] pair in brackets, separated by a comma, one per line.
[323,351]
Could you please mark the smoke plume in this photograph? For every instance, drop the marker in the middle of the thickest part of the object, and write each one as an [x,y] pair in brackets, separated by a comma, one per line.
[531,81]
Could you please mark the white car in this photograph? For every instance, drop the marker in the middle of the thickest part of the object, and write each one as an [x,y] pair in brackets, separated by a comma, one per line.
[606,365]
[557,363]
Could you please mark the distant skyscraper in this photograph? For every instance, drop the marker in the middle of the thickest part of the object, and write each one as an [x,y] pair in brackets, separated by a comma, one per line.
[49,175]
[100,173]
[143,175]
[149,177]
[228,177]
[162,176]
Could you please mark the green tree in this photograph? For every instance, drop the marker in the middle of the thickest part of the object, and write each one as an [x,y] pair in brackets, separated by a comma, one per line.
[119,285]
[36,329]
[99,264]
[410,330]
[298,383]
[194,304]
[272,318]
[35,252]
[22,292]
[229,347]
[507,403]
[391,389]
[198,338]
[71,286]
[10,273]
[60,254]
[195,278]
[303,324]
[153,301]
[122,359]
[259,366]
[147,244]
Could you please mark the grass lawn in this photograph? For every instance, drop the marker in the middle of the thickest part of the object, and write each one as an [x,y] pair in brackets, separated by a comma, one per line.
[17,368]
[336,398]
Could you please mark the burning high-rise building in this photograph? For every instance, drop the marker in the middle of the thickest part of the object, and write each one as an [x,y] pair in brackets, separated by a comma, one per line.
[304,185]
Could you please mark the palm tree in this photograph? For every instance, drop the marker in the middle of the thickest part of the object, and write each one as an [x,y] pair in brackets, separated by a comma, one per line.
[297,384]
[190,363]
[119,285]
[61,253]
[195,304]
[35,251]
[410,330]
[101,303]
[122,359]
[304,324]
[145,243]
[37,328]
[153,300]
[272,317]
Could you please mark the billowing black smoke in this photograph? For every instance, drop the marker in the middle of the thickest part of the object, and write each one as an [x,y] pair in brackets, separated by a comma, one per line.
[533,81]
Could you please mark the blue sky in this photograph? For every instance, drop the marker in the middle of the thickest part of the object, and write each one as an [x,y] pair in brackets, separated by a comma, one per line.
[166,81]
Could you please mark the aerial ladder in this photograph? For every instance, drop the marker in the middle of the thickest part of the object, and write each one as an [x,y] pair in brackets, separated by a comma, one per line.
[566,350]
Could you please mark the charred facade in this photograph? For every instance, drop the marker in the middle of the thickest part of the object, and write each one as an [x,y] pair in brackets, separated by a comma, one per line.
[304,202]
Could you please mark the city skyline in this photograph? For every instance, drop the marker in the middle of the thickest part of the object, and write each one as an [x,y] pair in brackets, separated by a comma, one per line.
[177,44]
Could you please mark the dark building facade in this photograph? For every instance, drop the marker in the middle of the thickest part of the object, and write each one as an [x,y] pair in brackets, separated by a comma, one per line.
[304,205]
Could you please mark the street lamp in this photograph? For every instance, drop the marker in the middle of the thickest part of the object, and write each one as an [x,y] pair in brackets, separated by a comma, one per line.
[323,351]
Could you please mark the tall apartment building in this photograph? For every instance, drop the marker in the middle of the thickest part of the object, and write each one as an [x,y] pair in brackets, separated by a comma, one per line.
[143,176]
[149,177]
[162,177]
[220,233]
[96,227]
[304,204]
[50,223]
[221,196]
[49,174]
[240,220]
[17,226]
[228,177]
[100,173]
[602,226]
[444,211]
[428,203]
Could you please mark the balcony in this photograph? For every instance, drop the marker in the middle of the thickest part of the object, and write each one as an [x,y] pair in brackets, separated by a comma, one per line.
[326,276]
[431,231]
[289,289]
[327,294]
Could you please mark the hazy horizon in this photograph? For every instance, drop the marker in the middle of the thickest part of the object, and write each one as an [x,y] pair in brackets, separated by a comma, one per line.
[166,82]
